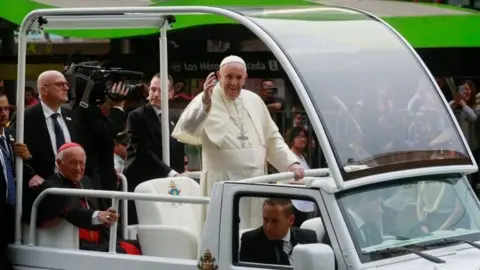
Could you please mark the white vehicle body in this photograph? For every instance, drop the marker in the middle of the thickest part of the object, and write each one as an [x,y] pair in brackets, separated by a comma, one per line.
[332,37]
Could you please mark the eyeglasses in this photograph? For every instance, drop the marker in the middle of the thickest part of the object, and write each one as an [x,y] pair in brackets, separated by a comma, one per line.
[58,84]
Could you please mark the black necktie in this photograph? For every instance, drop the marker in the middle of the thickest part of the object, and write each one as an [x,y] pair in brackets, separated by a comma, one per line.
[59,136]
[283,257]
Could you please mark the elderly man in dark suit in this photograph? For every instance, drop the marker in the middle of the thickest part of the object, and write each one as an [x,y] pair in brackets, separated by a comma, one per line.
[273,243]
[144,152]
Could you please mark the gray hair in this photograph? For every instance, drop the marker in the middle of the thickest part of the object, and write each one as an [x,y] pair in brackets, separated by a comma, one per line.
[61,155]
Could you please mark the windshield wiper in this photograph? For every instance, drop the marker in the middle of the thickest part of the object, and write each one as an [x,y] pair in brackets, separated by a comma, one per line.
[451,241]
[390,251]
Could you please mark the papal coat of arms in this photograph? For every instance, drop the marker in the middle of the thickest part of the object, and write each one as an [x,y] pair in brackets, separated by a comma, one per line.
[207,261]
[172,189]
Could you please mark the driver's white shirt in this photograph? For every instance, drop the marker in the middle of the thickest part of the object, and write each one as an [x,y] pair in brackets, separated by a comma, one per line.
[287,246]
[359,222]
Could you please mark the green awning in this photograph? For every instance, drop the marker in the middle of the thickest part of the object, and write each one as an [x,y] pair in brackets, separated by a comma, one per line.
[423,25]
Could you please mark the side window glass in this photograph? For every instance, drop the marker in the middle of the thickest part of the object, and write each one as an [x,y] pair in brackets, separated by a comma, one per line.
[270,227]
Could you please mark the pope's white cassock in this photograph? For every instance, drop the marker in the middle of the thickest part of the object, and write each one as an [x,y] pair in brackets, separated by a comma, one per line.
[237,137]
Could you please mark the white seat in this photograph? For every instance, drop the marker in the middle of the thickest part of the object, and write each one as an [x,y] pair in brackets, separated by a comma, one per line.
[132,232]
[63,235]
[169,229]
[316,225]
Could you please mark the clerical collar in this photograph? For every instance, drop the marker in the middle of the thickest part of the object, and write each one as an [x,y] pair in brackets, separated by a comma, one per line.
[287,236]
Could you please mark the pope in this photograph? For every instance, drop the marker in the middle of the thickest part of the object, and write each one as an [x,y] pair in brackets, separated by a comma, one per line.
[236,132]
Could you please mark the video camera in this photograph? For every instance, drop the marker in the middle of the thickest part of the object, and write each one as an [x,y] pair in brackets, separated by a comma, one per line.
[90,83]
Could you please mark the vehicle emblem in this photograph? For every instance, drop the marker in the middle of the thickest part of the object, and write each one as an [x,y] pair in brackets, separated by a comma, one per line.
[172,189]
[207,261]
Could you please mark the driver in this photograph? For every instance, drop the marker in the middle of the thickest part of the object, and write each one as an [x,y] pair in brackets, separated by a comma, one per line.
[273,243]
[365,217]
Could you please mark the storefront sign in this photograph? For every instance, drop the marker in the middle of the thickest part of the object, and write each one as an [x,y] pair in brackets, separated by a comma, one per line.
[208,66]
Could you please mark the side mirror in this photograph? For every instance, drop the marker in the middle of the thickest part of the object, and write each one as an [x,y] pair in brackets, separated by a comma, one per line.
[313,257]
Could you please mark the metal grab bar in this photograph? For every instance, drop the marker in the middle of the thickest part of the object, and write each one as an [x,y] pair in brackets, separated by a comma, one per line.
[194,175]
[114,195]
[285,176]
[124,215]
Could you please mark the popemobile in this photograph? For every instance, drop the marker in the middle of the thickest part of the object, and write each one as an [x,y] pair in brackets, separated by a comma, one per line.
[395,193]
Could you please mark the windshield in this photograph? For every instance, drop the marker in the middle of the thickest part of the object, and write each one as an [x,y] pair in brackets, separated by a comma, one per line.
[377,104]
[410,212]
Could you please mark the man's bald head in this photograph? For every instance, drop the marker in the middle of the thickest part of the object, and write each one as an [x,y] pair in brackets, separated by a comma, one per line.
[52,87]
[232,75]
[46,77]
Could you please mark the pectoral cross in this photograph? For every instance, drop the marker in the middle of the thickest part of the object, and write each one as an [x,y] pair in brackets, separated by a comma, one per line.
[242,138]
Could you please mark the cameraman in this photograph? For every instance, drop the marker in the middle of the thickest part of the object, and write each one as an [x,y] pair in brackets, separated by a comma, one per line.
[275,104]
[268,93]
[102,123]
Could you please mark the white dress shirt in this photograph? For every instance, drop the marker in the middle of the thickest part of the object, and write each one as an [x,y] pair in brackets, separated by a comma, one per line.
[358,222]
[172,173]
[287,246]
[119,163]
[51,130]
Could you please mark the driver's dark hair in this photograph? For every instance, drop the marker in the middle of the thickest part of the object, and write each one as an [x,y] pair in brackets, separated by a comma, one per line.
[159,76]
[285,203]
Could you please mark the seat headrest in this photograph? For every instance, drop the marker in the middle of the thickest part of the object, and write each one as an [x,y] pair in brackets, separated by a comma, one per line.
[172,185]
[316,225]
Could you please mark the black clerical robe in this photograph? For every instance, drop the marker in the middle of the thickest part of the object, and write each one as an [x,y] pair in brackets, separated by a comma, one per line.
[79,212]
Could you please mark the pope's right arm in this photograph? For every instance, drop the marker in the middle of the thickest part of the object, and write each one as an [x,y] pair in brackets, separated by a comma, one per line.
[189,128]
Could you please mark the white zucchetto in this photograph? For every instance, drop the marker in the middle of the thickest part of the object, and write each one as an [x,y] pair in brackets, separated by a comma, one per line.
[232,59]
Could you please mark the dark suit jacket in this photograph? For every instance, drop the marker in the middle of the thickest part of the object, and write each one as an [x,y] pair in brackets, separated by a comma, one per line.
[144,152]
[10,135]
[68,207]
[256,248]
[101,131]
[37,139]
[7,220]
[10,138]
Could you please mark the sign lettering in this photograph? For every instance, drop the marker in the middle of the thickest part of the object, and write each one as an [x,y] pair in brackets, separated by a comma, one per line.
[207,66]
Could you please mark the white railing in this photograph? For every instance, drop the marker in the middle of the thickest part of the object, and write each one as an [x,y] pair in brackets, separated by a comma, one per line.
[115,196]
[194,175]
[124,214]
[285,176]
